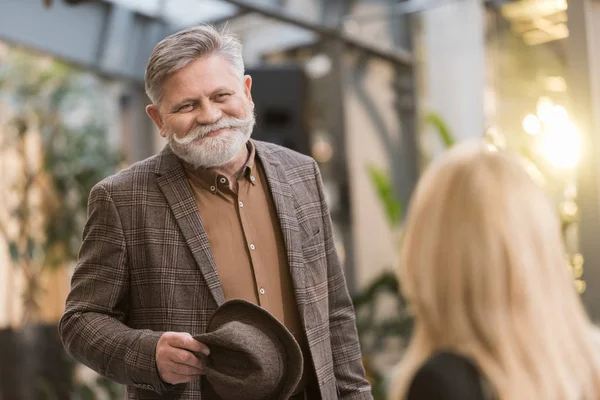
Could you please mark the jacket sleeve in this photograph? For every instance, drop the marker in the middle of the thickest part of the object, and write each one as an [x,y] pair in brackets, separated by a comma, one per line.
[348,368]
[93,328]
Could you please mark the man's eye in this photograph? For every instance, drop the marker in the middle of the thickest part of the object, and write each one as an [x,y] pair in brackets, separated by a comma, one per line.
[187,107]
[222,95]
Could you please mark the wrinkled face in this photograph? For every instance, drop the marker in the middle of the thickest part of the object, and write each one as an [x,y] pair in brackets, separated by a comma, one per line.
[206,112]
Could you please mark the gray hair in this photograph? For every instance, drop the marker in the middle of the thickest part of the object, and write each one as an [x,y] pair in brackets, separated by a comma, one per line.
[179,49]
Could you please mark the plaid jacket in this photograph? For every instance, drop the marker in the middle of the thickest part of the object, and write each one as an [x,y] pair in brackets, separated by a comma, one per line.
[145,267]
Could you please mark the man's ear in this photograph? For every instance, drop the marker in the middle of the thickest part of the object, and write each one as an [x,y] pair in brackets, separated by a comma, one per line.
[248,87]
[154,113]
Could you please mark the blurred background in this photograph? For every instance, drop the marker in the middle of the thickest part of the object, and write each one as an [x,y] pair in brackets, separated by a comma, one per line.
[372,89]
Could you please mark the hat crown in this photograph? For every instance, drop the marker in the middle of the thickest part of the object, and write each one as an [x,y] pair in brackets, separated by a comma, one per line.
[241,353]
[252,355]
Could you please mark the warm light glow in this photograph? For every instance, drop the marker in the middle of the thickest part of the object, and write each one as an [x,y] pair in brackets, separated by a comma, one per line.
[561,145]
[559,114]
[556,84]
[580,286]
[545,110]
[559,140]
[532,124]
[491,147]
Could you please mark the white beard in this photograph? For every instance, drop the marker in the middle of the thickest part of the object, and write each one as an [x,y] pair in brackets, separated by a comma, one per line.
[215,151]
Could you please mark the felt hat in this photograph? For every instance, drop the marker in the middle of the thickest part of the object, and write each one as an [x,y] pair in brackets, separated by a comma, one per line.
[252,355]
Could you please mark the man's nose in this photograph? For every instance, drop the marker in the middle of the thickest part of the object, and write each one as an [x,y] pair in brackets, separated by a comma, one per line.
[208,115]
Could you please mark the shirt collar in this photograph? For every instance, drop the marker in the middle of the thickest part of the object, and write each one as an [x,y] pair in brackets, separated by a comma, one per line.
[211,180]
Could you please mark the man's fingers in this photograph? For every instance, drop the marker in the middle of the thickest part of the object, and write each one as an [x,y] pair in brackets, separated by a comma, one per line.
[185,357]
[202,347]
[184,340]
[187,370]
[174,358]
[175,379]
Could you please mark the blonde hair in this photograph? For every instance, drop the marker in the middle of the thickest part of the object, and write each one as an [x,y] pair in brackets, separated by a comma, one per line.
[176,51]
[484,270]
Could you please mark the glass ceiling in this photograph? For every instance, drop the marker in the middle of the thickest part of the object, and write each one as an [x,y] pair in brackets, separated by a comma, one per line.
[181,12]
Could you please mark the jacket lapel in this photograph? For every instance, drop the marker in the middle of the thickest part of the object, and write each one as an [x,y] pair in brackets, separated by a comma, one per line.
[174,184]
[283,198]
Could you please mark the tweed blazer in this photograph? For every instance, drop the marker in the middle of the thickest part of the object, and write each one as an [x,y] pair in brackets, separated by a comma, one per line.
[145,267]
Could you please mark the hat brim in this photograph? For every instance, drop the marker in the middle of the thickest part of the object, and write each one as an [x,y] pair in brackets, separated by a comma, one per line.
[244,311]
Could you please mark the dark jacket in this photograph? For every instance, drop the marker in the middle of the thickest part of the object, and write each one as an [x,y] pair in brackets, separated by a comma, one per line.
[447,376]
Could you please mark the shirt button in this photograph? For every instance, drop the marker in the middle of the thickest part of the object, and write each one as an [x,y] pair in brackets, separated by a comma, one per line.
[212,188]
[262,291]
[252,246]
[241,204]
[223,180]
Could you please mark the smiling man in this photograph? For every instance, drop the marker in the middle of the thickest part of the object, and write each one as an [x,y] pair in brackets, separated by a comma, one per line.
[214,216]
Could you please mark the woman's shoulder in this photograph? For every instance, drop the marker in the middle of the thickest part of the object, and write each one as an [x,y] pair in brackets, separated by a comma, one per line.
[444,359]
[446,376]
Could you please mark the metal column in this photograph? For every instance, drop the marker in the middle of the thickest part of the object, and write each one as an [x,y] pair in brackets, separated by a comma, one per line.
[583,67]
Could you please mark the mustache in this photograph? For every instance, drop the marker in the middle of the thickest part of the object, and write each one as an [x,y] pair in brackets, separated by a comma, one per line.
[201,131]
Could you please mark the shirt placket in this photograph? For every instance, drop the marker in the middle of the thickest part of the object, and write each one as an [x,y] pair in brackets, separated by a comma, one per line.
[245,216]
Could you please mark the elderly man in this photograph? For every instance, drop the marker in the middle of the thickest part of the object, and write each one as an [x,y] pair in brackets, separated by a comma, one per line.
[214,216]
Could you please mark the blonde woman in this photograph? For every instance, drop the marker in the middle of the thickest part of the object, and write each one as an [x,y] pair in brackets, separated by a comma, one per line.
[496,312]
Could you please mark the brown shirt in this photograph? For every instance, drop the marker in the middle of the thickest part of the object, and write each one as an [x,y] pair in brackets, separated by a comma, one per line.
[246,242]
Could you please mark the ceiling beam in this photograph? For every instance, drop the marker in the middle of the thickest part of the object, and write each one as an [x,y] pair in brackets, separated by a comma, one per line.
[395,56]
[103,37]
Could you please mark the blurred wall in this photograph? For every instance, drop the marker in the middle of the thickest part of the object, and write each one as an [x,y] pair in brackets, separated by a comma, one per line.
[451,45]
[372,131]
[449,74]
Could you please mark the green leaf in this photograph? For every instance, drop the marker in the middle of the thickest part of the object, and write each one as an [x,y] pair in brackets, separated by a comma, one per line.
[13,249]
[84,392]
[385,192]
[75,156]
[441,128]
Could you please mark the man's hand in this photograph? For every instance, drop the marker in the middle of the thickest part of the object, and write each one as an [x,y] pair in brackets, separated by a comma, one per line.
[174,358]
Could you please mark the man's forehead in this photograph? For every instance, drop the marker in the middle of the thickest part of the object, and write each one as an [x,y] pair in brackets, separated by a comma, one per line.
[201,77]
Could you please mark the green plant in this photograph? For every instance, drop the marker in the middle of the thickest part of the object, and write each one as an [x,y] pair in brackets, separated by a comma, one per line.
[441,128]
[386,194]
[54,147]
[373,333]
